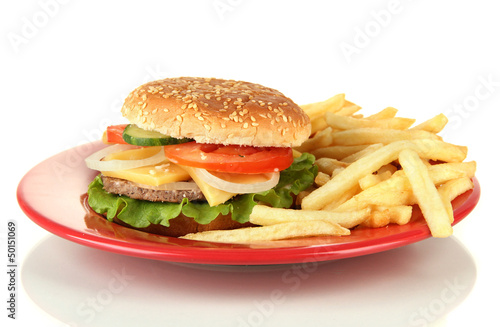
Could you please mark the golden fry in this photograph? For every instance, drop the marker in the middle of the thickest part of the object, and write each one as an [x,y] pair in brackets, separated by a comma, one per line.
[317,109]
[344,122]
[271,233]
[433,125]
[426,193]
[349,177]
[263,215]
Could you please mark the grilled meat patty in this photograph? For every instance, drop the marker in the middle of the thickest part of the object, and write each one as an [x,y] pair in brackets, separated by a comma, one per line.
[134,191]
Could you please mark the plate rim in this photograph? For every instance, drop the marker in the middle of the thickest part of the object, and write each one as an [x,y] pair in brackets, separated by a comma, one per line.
[229,255]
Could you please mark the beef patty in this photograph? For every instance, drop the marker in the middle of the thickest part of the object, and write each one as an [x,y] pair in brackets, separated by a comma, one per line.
[134,191]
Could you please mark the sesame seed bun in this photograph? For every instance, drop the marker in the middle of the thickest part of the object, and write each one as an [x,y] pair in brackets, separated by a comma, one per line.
[211,110]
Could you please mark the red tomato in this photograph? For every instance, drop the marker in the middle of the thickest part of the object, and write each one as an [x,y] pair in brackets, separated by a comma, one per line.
[230,158]
[114,134]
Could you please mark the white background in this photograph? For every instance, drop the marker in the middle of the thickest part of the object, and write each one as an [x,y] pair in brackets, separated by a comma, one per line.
[66,66]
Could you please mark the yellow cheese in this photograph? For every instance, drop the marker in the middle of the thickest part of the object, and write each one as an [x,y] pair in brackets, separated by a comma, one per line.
[134,154]
[214,196]
[161,173]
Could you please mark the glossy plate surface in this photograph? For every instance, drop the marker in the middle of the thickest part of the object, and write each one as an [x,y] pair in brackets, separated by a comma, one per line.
[50,195]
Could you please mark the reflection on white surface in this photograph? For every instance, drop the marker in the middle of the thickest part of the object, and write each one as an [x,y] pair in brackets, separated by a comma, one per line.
[411,286]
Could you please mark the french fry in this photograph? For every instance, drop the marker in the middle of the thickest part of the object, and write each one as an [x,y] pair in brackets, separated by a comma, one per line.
[389,167]
[373,135]
[327,165]
[344,122]
[318,124]
[426,193]
[453,188]
[349,177]
[319,140]
[433,125]
[263,215]
[373,179]
[397,191]
[348,109]
[317,109]
[360,154]
[321,179]
[388,112]
[282,231]
[347,195]
[382,216]
[337,152]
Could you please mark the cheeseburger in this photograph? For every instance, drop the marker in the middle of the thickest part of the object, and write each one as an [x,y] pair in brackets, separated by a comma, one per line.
[199,154]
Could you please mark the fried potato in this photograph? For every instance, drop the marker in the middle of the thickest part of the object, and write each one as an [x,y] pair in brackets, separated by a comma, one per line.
[349,177]
[320,140]
[453,188]
[337,152]
[264,215]
[275,232]
[321,179]
[388,112]
[360,154]
[397,191]
[344,122]
[428,198]
[433,125]
[318,109]
[327,165]
[371,135]
[373,179]
[382,216]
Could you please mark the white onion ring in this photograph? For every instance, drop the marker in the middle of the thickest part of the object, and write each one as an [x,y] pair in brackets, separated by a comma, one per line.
[239,188]
[94,160]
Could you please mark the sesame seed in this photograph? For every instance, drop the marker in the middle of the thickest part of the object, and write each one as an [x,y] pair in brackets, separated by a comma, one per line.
[245,125]
[179,118]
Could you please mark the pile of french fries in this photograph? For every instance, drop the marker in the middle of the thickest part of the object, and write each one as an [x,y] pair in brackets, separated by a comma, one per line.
[373,170]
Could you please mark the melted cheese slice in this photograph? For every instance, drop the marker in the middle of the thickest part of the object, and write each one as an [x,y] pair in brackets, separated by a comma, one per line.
[161,173]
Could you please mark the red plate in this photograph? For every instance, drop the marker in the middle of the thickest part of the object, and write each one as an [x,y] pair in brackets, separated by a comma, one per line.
[50,195]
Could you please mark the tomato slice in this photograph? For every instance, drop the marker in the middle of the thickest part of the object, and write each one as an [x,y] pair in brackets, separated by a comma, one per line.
[114,134]
[230,158]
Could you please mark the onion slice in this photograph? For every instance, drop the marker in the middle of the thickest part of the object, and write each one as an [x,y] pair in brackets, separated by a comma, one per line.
[241,183]
[94,160]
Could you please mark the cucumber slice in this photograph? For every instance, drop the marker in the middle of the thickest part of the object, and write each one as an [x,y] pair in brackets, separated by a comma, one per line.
[138,136]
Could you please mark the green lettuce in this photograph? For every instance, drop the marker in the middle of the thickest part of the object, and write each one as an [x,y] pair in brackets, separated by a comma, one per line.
[139,213]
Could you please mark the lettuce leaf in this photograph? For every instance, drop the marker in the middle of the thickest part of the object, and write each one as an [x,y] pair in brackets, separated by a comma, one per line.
[139,213]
